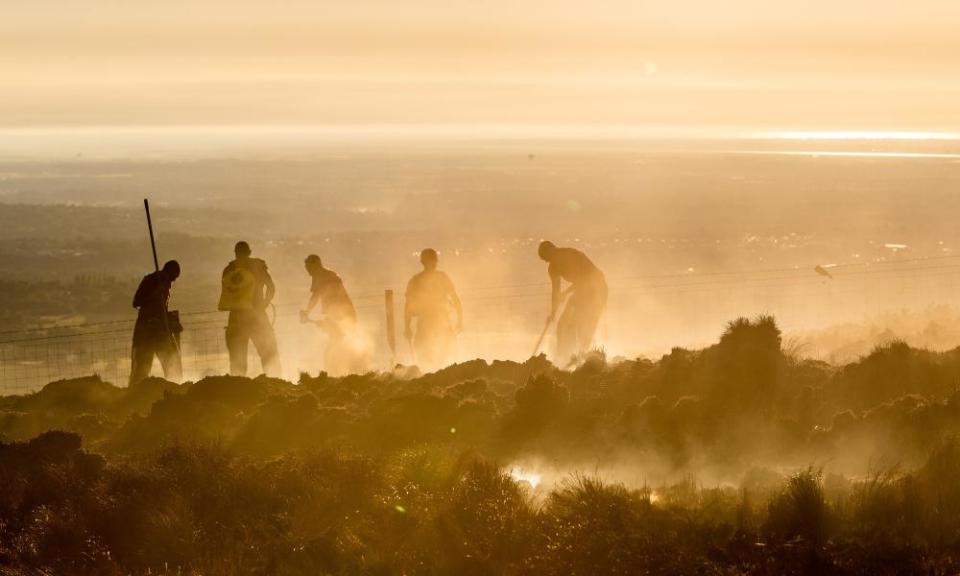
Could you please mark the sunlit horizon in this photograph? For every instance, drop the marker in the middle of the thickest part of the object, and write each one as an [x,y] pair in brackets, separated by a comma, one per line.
[861,135]
[505,129]
[850,154]
[71,142]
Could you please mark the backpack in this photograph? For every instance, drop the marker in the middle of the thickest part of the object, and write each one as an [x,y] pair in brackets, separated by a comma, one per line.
[237,289]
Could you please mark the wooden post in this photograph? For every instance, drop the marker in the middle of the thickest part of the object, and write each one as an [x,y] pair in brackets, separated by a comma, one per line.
[391,326]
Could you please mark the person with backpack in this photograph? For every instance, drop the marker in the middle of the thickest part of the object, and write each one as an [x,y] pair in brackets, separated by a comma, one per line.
[247,291]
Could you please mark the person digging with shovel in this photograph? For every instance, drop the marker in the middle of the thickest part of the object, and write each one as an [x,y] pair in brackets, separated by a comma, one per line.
[586,297]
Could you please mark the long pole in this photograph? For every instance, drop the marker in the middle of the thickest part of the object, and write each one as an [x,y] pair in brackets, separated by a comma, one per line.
[543,335]
[153,243]
[546,326]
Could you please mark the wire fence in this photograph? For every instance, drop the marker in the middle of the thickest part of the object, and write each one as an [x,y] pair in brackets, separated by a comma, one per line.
[30,359]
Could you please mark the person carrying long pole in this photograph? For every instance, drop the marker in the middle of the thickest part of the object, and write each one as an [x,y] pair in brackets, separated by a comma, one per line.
[157,329]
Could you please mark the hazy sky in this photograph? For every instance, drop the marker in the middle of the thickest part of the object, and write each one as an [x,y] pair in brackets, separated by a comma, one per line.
[812,64]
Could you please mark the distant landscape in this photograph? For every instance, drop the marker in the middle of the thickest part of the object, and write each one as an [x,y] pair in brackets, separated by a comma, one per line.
[688,234]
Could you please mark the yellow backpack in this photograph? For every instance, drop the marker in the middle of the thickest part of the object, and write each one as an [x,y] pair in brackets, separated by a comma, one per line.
[236,289]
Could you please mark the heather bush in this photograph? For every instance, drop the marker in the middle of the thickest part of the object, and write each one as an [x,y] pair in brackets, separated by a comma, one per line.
[696,463]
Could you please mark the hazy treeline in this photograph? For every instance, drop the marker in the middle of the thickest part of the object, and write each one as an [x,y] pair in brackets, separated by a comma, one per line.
[737,458]
[47,303]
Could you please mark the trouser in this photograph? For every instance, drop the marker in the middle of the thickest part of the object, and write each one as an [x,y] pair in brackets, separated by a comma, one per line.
[151,341]
[244,326]
[433,341]
[578,323]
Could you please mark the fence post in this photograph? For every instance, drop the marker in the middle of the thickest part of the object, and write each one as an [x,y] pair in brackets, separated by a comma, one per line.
[391,326]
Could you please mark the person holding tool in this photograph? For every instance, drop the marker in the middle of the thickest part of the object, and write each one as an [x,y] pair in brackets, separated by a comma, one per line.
[345,350]
[157,331]
[587,297]
[430,300]
[247,292]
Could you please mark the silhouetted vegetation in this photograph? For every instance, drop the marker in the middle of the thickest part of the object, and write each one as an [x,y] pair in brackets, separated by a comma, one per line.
[734,459]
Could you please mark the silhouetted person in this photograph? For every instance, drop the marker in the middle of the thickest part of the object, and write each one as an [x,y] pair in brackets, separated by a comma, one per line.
[578,323]
[344,352]
[248,290]
[157,331]
[431,299]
